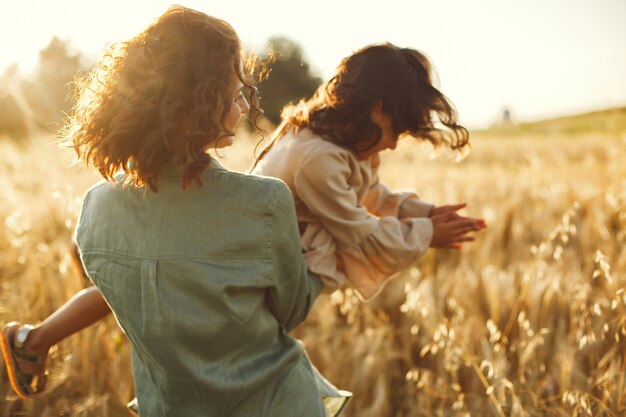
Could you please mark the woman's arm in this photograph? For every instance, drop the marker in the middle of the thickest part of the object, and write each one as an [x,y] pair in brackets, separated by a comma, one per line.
[382,201]
[295,289]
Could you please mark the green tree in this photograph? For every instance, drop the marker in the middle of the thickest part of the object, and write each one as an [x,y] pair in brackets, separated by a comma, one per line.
[288,77]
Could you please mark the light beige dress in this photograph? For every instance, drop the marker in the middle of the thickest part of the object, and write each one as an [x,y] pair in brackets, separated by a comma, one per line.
[355,231]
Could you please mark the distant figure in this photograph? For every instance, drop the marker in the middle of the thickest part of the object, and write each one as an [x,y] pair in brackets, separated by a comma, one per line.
[506,117]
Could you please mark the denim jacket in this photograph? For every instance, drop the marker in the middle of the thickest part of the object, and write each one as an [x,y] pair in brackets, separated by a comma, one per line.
[206,283]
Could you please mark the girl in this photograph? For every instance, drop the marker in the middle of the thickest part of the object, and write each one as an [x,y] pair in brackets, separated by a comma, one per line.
[355,231]
[201,266]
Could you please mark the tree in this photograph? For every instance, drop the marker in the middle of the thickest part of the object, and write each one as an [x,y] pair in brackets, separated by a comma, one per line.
[288,77]
[47,93]
[15,118]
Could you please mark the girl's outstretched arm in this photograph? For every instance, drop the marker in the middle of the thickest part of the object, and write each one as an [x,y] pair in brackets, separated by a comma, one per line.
[380,200]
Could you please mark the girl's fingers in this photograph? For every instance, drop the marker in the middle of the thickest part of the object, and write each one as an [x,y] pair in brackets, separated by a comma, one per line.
[465,225]
[463,234]
[453,216]
[475,221]
[453,207]
[460,234]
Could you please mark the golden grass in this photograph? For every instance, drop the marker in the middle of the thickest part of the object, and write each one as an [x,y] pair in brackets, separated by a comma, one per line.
[529,320]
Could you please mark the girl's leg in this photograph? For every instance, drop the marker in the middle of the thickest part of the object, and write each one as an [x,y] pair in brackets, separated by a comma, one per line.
[81,275]
[26,356]
[83,309]
[26,359]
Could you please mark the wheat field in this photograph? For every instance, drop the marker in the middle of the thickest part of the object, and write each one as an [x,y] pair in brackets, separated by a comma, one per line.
[528,320]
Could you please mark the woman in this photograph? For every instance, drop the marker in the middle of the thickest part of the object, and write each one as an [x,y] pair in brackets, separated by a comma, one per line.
[201,266]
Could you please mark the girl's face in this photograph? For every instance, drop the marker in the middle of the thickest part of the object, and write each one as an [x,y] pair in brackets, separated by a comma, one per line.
[240,107]
[389,138]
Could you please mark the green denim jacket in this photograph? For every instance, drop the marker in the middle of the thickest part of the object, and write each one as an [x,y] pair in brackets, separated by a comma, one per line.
[206,283]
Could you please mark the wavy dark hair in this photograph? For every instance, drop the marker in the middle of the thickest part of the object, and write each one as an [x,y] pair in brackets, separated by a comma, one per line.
[162,95]
[401,79]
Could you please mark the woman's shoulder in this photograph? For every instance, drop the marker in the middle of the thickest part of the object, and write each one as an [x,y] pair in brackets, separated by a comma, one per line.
[103,187]
[254,181]
[252,184]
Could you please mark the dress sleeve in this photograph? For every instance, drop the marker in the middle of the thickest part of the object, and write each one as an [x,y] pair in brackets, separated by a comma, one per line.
[382,201]
[370,248]
[295,288]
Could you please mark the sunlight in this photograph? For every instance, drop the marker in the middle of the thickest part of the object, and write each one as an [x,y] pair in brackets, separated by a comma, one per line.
[524,55]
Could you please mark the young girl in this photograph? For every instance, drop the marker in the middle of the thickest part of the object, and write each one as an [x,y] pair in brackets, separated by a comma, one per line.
[201,266]
[355,231]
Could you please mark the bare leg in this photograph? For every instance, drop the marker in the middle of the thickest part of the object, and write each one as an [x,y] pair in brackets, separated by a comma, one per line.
[81,275]
[83,309]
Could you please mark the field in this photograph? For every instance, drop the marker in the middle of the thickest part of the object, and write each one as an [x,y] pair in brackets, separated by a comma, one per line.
[529,320]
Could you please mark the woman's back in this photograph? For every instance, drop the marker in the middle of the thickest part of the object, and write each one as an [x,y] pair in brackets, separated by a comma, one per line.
[206,283]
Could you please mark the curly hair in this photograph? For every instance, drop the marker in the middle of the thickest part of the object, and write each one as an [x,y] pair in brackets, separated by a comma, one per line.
[162,95]
[398,78]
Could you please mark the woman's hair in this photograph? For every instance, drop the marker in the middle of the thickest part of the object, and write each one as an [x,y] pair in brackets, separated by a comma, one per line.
[398,78]
[162,95]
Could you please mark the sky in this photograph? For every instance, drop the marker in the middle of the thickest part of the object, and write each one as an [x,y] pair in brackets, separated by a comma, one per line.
[537,58]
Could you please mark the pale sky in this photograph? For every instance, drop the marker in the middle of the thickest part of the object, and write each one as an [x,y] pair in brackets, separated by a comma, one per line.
[539,58]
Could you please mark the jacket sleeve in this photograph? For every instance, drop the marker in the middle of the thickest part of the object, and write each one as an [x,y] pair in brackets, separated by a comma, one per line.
[382,201]
[371,248]
[295,288]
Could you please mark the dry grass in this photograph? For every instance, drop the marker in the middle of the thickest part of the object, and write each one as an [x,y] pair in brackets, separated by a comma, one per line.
[529,320]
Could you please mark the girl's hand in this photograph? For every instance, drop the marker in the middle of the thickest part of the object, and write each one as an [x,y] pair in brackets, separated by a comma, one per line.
[450,229]
[454,208]
[437,210]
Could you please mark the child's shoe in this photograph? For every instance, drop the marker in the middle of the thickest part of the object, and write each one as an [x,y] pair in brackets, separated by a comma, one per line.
[26,373]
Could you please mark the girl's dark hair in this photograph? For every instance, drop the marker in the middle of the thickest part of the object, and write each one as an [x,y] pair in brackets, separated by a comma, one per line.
[400,79]
[162,95]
